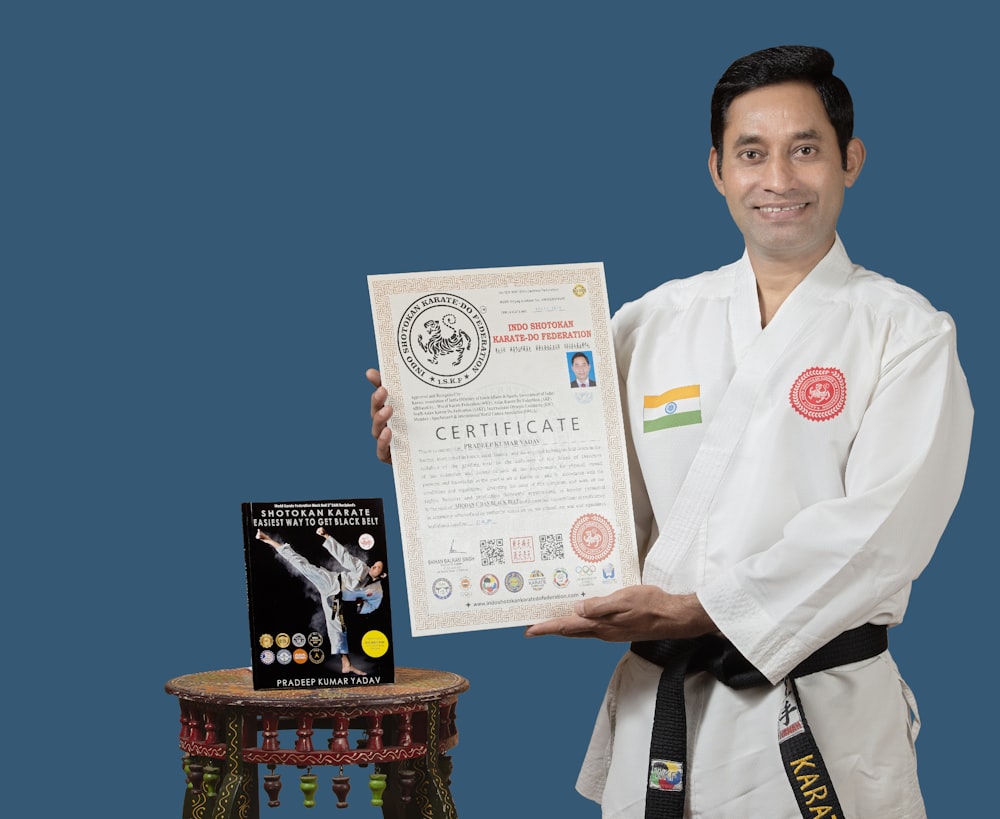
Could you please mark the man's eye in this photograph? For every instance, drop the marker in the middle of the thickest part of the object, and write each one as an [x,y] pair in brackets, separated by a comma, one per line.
[751,155]
[807,150]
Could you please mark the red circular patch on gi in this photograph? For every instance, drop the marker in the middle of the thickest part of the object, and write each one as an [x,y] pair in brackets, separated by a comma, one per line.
[592,538]
[819,393]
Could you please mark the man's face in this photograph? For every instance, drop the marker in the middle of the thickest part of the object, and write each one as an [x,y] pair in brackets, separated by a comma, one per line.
[581,367]
[782,173]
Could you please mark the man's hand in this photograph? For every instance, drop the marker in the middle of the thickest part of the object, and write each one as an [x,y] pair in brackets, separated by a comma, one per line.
[380,417]
[632,613]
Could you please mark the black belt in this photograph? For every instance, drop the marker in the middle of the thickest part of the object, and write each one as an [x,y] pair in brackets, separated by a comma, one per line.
[803,763]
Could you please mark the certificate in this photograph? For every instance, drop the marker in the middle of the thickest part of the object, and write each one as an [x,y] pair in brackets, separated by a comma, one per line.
[508,446]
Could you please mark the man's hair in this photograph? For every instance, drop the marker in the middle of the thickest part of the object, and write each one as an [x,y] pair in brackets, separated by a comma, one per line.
[575,356]
[785,64]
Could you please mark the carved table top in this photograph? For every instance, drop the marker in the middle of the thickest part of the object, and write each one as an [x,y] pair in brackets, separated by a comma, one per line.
[234,687]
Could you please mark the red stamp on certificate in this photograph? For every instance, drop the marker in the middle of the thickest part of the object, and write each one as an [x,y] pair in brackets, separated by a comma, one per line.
[592,538]
[819,393]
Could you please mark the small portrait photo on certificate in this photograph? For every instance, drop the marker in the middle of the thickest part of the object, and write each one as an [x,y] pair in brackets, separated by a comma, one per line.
[581,369]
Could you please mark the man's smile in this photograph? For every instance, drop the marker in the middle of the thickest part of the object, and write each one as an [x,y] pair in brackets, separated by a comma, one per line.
[780,208]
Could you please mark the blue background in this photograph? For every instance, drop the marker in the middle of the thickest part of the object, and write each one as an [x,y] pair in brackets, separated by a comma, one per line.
[193,195]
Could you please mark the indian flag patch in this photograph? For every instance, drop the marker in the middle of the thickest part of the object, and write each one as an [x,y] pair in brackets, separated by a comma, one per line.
[673,408]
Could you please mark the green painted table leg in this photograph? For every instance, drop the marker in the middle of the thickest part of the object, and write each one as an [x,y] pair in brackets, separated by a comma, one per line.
[237,790]
[195,802]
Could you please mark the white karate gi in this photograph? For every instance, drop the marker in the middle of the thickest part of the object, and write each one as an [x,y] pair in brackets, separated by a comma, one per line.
[791,529]
[348,583]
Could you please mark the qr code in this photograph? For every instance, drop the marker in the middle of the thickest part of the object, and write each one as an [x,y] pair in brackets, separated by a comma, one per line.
[551,547]
[491,551]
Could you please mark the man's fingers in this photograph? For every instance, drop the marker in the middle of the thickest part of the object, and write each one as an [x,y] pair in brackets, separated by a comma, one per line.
[382,435]
[582,622]
[569,626]
[380,417]
[597,607]
[383,446]
[379,397]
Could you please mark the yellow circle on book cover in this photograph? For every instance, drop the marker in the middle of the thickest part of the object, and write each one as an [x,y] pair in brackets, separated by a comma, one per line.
[266,641]
[375,643]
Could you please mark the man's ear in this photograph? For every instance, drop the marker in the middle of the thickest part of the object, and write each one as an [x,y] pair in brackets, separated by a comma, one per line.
[713,170]
[855,161]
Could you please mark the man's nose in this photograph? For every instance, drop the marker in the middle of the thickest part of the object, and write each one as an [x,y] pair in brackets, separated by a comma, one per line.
[779,174]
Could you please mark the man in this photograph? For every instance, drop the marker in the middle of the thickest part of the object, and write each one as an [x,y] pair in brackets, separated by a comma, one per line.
[580,365]
[780,534]
[352,580]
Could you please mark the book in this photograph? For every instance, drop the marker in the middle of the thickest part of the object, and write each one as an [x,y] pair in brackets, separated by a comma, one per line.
[318,593]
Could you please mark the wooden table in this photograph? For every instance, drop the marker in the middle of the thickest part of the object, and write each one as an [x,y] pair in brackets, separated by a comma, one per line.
[402,729]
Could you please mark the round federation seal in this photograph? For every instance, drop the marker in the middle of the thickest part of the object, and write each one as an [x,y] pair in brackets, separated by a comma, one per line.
[514,582]
[489,583]
[592,538]
[441,588]
[819,393]
[443,340]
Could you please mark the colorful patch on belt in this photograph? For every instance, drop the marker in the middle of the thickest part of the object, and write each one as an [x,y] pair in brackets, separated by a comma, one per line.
[819,393]
[665,775]
[674,408]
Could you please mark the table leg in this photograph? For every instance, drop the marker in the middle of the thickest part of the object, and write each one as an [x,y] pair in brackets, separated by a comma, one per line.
[195,801]
[237,792]
[431,795]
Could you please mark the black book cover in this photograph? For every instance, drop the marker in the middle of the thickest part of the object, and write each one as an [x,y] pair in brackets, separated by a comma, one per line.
[318,593]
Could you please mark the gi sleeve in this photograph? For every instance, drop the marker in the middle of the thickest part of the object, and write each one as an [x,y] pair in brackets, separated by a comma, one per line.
[850,560]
